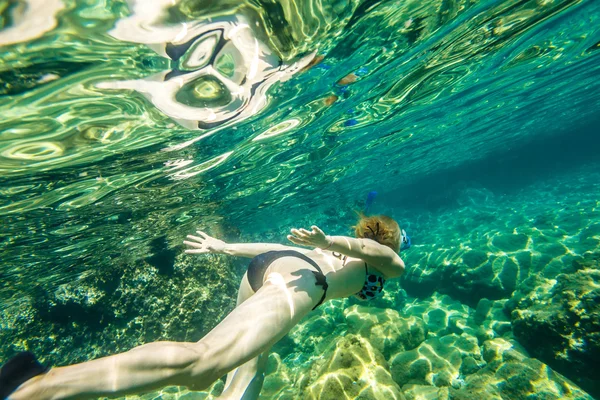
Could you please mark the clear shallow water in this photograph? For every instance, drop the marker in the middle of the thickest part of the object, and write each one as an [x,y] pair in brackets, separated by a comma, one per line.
[90,172]
[113,140]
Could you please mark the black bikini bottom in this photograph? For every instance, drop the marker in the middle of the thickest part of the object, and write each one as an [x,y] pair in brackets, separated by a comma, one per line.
[260,263]
[17,371]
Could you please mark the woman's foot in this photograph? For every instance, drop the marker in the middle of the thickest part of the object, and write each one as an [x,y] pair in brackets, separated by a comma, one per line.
[18,370]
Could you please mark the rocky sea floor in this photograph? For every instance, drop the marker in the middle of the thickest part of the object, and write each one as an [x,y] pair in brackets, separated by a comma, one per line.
[501,300]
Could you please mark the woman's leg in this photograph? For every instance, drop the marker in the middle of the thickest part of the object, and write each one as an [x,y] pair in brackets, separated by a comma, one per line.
[289,293]
[245,382]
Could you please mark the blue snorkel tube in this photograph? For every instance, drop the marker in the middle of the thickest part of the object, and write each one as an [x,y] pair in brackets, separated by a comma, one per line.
[405,239]
[370,199]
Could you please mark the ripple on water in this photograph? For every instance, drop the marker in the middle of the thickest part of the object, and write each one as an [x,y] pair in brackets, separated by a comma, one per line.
[200,168]
[278,129]
[69,230]
[34,151]
[31,19]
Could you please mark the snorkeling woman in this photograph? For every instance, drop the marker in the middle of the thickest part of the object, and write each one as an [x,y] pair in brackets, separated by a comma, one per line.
[281,286]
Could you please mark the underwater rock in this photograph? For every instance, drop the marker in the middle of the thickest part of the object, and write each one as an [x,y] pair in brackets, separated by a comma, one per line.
[385,329]
[588,261]
[558,321]
[510,243]
[423,392]
[476,255]
[116,308]
[437,361]
[12,319]
[163,257]
[442,315]
[351,368]
[469,277]
[279,378]
[314,333]
[511,374]
[487,271]
[499,350]
[490,320]
[496,279]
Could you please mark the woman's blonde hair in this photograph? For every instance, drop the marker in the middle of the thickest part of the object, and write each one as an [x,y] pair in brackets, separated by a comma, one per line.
[380,228]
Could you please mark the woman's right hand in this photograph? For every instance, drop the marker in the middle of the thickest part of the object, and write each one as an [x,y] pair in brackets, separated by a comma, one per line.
[315,237]
[204,244]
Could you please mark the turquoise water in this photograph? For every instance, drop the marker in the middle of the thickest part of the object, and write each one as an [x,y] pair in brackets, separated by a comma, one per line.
[127,125]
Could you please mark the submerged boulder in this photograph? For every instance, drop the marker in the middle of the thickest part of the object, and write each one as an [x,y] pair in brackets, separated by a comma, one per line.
[122,306]
[467,276]
[490,320]
[558,321]
[511,374]
[279,378]
[385,329]
[437,361]
[351,368]
[470,264]
[313,334]
[442,315]
[425,392]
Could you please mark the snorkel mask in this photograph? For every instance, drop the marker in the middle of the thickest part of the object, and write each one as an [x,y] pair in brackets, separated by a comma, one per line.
[405,241]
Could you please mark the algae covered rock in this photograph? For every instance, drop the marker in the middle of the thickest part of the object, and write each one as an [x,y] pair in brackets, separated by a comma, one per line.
[490,320]
[558,321]
[351,368]
[478,255]
[385,329]
[500,350]
[114,309]
[424,392]
[510,242]
[437,361]
[441,314]
[467,276]
[511,374]
[279,379]
[494,279]
[315,333]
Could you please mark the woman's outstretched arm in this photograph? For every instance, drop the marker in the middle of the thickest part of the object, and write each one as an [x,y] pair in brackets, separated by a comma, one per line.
[253,249]
[381,257]
[203,244]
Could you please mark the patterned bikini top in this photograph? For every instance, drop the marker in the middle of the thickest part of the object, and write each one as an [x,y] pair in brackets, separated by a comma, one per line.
[373,286]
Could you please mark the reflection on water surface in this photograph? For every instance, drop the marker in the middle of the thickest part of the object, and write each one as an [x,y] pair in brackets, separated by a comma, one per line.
[127,121]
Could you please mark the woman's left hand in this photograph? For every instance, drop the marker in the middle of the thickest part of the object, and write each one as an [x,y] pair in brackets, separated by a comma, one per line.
[316,237]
